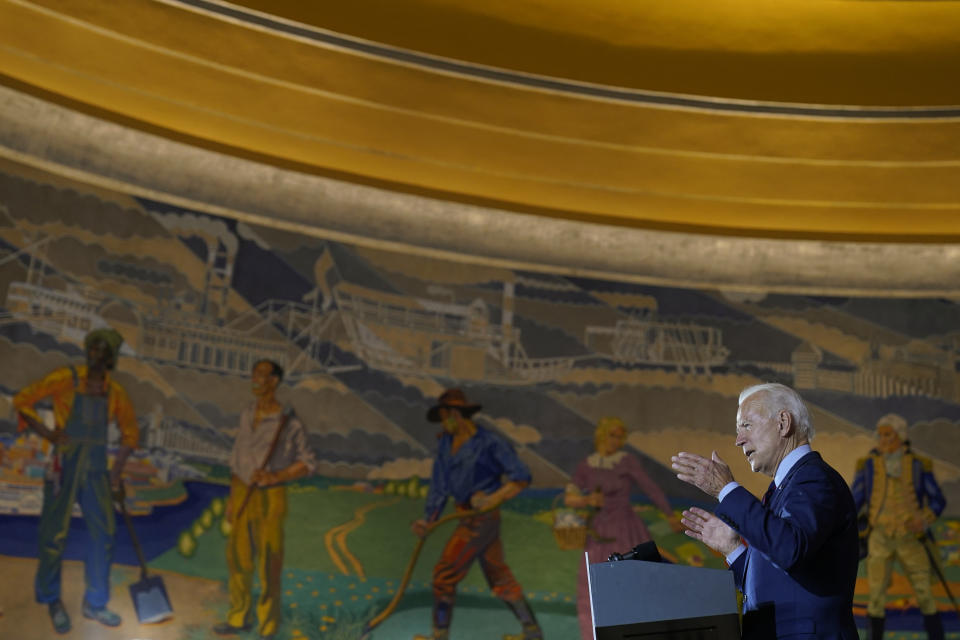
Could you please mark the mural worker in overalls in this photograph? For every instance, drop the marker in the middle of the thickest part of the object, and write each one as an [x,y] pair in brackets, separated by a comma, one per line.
[270,450]
[468,467]
[85,400]
[897,491]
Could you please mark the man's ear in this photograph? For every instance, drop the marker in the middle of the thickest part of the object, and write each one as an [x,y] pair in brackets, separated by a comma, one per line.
[784,422]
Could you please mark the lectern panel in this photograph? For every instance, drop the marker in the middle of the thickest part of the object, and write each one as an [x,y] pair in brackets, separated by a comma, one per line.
[725,627]
[659,601]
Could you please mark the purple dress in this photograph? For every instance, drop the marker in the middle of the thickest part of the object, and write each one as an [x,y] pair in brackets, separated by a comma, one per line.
[616,525]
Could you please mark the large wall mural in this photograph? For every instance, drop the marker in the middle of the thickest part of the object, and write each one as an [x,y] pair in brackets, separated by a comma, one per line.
[368,340]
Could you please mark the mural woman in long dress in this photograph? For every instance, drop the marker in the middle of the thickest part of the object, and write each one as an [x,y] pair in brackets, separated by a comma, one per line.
[604,481]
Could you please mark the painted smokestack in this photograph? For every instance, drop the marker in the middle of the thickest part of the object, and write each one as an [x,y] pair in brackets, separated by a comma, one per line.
[506,320]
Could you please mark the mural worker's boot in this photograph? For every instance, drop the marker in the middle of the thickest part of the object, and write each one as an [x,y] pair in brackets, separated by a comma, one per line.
[227,629]
[934,626]
[102,615]
[528,622]
[442,615]
[59,617]
[876,628]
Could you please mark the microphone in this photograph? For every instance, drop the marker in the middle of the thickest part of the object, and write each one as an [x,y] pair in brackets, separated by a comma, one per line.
[646,551]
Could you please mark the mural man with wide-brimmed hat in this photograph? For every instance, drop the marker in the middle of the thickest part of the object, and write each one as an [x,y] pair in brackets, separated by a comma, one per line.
[85,400]
[896,490]
[469,467]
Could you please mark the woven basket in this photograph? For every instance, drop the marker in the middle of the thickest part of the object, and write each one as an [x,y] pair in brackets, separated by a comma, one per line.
[569,527]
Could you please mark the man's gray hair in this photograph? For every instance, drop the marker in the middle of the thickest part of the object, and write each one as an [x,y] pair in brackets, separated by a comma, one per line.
[779,396]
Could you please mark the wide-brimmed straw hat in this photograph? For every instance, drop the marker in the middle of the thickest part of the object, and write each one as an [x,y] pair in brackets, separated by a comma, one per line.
[452,399]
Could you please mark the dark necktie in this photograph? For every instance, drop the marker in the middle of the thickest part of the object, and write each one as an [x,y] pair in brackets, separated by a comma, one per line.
[769,493]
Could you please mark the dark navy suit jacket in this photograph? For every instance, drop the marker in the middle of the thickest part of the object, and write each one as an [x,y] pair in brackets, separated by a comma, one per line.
[799,570]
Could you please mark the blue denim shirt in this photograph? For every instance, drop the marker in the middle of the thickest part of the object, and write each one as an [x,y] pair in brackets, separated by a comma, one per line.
[477,466]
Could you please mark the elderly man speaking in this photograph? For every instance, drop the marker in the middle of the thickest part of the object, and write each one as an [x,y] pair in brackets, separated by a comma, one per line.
[793,554]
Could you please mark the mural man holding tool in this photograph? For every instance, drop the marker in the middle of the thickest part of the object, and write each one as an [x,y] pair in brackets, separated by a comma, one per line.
[270,450]
[898,499]
[469,465]
[85,400]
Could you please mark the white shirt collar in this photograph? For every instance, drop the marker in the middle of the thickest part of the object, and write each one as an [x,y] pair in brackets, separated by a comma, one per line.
[788,461]
[599,461]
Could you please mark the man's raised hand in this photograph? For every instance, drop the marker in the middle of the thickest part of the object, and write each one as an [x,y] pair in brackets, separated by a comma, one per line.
[710,530]
[709,475]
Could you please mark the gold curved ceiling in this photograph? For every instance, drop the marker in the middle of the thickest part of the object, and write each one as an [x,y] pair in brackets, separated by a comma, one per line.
[800,118]
[856,52]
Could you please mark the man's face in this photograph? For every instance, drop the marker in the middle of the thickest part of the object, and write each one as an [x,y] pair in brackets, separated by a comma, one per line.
[758,435]
[887,439]
[263,380]
[448,418]
[99,355]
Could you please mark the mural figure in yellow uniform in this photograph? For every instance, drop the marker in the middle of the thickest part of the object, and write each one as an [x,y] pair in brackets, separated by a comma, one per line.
[270,450]
[85,400]
[897,490]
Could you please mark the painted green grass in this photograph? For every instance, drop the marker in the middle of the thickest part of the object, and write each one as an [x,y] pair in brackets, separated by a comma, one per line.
[321,602]
[384,543]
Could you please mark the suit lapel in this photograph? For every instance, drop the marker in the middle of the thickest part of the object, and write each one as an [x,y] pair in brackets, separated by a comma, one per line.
[774,502]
